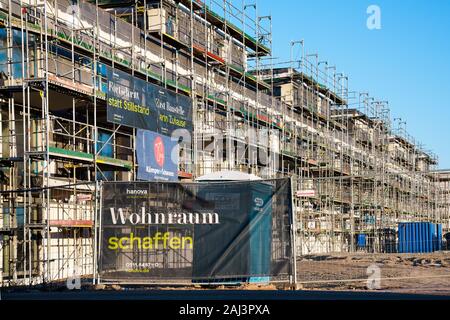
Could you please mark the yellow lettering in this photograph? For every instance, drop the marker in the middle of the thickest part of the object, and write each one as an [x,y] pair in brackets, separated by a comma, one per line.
[134,239]
[113,243]
[174,243]
[117,103]
[147,243]
[121,241]
[187,240]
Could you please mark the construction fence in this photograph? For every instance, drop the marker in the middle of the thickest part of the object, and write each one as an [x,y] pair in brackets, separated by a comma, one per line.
[215,232]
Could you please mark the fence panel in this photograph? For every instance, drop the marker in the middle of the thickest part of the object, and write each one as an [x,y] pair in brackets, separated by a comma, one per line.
[160,232]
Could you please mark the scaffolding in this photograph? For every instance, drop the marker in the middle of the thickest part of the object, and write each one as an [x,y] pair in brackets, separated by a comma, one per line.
[354,171]
[442,178]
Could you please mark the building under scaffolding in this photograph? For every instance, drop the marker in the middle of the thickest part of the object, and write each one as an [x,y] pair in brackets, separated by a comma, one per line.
[443,202]
[354,171]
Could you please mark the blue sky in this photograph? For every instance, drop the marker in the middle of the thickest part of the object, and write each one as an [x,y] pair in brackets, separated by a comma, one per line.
[407,62]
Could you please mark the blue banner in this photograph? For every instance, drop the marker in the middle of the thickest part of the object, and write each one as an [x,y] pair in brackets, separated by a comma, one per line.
[127,102]
[174,110]
[135,103]
[157,157]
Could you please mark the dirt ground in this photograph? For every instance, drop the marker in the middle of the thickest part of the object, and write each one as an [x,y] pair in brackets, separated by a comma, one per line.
[405,273]
[427,274]
[397,273]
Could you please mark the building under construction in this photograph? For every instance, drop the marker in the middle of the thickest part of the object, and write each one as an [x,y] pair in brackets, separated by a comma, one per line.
[355,170]
[443,202]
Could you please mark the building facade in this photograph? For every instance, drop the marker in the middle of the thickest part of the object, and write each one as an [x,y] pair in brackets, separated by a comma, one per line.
[443,203]
[353,171]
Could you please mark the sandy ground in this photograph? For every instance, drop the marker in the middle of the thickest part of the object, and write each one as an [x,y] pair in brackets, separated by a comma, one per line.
[405,273]
[427,274]
[398,273]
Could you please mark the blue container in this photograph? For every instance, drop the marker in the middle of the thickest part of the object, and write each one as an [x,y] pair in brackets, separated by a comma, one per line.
[419,237]
[362,240]
[425,231]
[405,238]
[431,236]
[422,239]
[427,237]
[409,238]
[415,237]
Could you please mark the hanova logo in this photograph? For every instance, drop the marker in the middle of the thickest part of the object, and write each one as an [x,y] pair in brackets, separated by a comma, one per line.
[137,192]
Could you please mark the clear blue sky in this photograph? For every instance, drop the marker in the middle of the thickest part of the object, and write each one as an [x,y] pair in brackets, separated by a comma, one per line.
[407,62]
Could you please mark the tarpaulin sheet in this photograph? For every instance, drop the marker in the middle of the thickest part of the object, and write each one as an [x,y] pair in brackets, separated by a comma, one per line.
[201,232]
